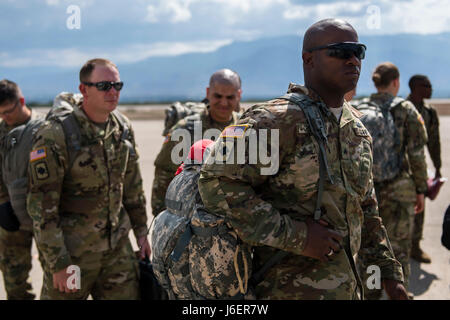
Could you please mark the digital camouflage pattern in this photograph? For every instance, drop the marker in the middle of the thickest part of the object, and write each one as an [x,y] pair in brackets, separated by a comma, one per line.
[168,227]
[195,255]
[90,206]
[164,167]
[15,247]
[269,211]
[379,120]
[220,264]
[397,197]
[431,120]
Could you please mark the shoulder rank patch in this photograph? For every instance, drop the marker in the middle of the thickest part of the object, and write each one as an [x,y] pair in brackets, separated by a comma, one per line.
[38,154]
[234,131]
[41,171]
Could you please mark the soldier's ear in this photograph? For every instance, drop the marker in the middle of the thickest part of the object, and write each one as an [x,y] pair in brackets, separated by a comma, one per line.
[22,101]
[307,58]
[83,90]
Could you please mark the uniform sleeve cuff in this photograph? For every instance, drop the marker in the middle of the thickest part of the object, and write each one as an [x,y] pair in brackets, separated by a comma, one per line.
[62,263]
[393,274]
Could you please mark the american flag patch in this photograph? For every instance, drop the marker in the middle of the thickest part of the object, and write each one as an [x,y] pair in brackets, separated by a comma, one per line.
[38,154]
[234,131]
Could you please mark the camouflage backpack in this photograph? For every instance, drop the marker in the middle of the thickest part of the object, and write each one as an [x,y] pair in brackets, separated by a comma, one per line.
[195,254]
[16,148]
[62,112]
[178,111]
[379,121]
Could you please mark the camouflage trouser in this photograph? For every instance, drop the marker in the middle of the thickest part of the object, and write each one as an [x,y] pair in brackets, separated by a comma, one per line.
[108,275]
[398,218]
[418,228]
[15,263]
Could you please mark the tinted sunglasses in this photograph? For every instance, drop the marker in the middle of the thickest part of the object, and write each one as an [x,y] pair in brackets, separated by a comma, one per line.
[105,85]
[343,50]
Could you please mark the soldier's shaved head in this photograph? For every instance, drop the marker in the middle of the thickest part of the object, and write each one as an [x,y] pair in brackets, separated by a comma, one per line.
[328,75]
[320,32]
[225,76]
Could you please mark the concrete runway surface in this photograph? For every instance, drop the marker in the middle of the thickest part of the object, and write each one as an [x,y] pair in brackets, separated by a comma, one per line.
[428,281]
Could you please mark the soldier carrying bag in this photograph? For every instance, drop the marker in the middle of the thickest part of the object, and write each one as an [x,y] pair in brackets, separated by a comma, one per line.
[196,254]
[178,111]
[378,119]
[16,147]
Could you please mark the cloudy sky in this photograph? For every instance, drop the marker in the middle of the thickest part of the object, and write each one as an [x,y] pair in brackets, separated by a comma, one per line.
[45,32]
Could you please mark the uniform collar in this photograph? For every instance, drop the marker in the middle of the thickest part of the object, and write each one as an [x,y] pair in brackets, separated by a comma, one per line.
[92,131]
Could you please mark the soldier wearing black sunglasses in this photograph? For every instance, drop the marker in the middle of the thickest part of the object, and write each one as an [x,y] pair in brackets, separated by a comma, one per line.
[94,190]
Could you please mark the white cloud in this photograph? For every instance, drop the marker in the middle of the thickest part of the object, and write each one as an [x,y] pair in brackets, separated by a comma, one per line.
[52,2]
[73,57]
[174,11]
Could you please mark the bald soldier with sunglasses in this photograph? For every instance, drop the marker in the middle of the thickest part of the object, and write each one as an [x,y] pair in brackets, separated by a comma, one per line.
[86,193]
[308,220]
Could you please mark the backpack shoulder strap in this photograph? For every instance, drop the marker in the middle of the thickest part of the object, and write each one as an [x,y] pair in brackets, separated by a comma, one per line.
[72,132]
[317,127]
[125,131]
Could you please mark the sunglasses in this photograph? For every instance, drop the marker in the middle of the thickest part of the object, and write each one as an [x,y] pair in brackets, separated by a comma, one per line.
[343,50]
[4,113]
[105,85]
[428,86]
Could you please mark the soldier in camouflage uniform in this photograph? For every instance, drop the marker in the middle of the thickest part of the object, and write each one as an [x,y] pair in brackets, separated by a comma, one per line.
[421,89]
[401,196]
[83,209]
[15,246]
[223,95]
[274,212]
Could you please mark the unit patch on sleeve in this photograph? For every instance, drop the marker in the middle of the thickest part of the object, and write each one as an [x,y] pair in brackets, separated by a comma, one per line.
[41,171]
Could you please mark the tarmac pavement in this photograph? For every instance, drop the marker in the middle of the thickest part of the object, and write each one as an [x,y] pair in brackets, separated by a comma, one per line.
[428,281]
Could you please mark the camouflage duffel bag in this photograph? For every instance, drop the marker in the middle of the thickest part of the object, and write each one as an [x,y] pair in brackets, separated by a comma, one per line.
[220,264]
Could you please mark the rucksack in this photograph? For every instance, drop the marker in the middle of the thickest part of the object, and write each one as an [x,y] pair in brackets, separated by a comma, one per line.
[196,254]
[178,111]
[62,112]
[16,148]
[379,121]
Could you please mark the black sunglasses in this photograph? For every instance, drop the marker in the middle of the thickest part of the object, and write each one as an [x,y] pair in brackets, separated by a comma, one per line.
[105,85]
[343,50]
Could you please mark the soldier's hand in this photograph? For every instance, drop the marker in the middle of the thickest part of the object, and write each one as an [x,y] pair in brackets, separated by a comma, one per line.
[60,281]
[321,243]
[420,203]
[144,247]
[395,290]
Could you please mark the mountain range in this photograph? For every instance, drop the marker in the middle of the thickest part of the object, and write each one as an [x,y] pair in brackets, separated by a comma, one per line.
[266,67]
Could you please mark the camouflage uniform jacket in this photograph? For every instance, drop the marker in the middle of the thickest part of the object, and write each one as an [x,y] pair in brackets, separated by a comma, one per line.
[4,130]
[431,120]
[269,211]
[412,135]
[164,167]
[88,206]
